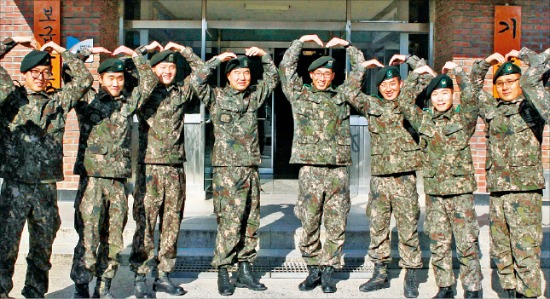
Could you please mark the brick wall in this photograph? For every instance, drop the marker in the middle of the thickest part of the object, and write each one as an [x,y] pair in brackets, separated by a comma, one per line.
[83,19]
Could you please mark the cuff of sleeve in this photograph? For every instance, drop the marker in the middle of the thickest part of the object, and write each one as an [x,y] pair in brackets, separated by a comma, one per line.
[9,42]
[142,50]
[266,58]
[348,45]
[67,54]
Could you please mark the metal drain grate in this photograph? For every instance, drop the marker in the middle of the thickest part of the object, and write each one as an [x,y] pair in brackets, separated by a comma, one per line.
[287,267]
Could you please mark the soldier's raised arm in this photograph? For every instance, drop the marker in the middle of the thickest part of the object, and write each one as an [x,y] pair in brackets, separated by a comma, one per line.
[468,100]
[82,80]
[270,77]
[412,87]
[477,78]
[6,83]
[199,78]
[531,81]
[147,78]
[195,62]
[291,82]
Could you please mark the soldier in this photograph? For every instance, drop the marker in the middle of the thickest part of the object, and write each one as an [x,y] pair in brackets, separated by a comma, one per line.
[322,145]
[395,156]
[104,164]
[160,182]
[449,178]
[515,178]
[235,158]
[31,161]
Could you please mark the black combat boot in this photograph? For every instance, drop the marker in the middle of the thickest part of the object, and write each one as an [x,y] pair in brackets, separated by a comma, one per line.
[164,284]
[140,287]
[444,292]
[379,279]
[410,289]
[103,288]
[511,293]
[246,280]
[312,280]
[471,294]
[326,279]
[225,287]
[81,290]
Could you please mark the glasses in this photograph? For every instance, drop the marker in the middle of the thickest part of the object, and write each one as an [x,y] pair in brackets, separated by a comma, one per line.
[323,75]
[46,74]
[501,84]
[392,84]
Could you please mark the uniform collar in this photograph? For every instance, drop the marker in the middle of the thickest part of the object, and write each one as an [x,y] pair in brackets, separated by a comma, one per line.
[315,90]
[446,114]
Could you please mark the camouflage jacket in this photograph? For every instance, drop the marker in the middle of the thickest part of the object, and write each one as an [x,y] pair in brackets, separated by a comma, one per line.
[444,138]
[514,136]
[233,114]
[106,127]
[161,120]
[393,148]
[32,125]
[321,117]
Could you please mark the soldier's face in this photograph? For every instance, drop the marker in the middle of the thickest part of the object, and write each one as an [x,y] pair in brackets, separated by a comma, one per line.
[508,88]
[442,99]
[322,78]
[112,83]
[389,89]
[166,72]
[239,79]
[37,78]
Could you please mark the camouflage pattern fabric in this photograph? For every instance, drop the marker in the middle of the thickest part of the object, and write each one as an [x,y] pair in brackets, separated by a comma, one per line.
[31,142]
[321,118]
[233,114]
[516,237]
[324,196]
[394,194]
[35,204]
[159,194]
[444,138]
[514,135]
[531,81]
[160,178]
[447,216]
[161,119]
[104,212]
[237,207]
[514,177]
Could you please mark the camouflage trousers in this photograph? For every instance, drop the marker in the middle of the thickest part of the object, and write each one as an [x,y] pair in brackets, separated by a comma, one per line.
[237,207]
[324,195]
[35,204]
[159,194]
[102,214]
[445,216]
[516,237]
[397,194]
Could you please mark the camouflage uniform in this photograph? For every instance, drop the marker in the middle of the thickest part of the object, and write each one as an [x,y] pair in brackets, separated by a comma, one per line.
[395,156]
[31,142]
[160,181]
[235,158]
[103,162]
[449,182]
[515,182]
[322,143]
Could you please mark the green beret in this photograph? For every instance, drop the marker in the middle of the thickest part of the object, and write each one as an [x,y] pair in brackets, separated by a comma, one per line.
[324,62]
[111,65]
[506,68]
[35,58]
[240,62]
[164,56]
[441,81]
[386,73]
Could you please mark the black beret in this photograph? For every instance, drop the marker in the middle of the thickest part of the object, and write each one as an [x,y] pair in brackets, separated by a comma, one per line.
[164,56]
[324,62]
[35,58]
[240,62]
[111,65]
[386,73]
[506,68]
[441,81]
